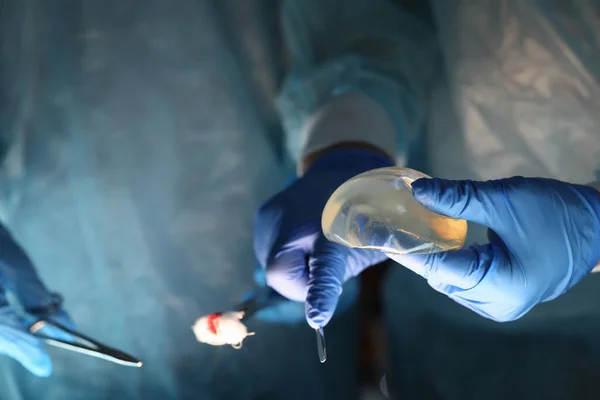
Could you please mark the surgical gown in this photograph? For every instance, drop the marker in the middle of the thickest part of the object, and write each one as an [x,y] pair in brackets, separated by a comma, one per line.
[134,160]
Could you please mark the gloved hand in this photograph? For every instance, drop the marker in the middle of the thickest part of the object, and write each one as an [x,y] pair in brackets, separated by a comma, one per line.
[300,263]
[18,276]
[544,238]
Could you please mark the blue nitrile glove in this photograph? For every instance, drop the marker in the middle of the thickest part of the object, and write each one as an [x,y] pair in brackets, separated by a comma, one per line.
[276,309]
[299,262]
[544,238]
[18,276]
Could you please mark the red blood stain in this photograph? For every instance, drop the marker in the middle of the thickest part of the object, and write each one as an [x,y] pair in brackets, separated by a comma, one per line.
[212,318]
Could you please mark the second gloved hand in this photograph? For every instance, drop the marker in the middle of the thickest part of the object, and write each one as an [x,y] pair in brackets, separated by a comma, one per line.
[17,275]
[544,238]
[300,263]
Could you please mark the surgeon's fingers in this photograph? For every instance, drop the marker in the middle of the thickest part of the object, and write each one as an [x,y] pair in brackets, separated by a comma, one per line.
[18,275]
[327,269]
[20,345]
[470,200]
[457,269]
[287,273]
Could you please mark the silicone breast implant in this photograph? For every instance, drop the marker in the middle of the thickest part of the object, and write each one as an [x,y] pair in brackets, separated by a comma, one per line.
[376,210]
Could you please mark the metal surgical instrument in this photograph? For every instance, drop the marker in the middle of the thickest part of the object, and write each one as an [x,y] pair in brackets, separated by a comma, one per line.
[87,345]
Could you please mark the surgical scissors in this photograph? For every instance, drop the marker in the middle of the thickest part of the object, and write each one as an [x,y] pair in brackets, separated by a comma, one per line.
[88,346]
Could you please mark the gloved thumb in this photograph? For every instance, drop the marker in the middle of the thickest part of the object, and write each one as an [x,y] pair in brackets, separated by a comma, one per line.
[287,274]
[327,270]
[464,199]
[273,307]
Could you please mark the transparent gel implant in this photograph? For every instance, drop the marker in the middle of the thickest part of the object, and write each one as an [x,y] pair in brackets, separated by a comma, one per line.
[376,210]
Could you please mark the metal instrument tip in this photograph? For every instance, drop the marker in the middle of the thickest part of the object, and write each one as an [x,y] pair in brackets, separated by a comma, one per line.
[321,347]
